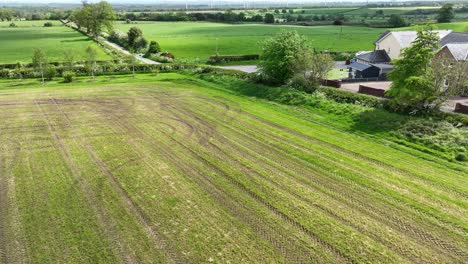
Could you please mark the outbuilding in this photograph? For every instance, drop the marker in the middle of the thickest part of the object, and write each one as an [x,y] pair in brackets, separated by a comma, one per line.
[361,70]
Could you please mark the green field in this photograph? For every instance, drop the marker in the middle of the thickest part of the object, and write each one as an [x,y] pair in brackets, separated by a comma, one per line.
[17,44]
[176,169]
[198,40]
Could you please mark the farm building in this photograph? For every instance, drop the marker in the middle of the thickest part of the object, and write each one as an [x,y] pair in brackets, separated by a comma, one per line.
[392,42]
[376,56]
[363,70]
[455,51]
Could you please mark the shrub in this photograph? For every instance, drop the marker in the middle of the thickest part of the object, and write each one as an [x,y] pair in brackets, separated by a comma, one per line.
[48,24]
[461,157]
[160,58]
[338,22]
[343,96]
[50,73]
[299,82]
[68,76]
[13,25]
[153,48]
[218,58]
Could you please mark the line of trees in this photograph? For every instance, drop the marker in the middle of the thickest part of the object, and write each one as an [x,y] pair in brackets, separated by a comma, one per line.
[227,17]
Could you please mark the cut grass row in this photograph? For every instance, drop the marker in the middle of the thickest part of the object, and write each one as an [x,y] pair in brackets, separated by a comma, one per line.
[163,169]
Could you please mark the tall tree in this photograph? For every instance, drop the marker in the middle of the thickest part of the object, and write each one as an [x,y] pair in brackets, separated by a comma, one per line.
[91,57]
[39,61]
[282,56]
[412,76]
[135,40]
[269,18]
[69,58]
[446,13]
[396,21]
[94,17]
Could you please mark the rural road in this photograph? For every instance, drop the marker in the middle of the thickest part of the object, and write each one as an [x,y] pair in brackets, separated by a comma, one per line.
[126,52]
[115,46]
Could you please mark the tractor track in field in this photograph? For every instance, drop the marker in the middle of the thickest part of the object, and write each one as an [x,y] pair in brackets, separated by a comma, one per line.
[247,170]
[343,257]
[208,186]
[130,204]
[438,243]
[355,154]
[359,156]
[108,226]
[3,212]
[238,210]
[384,216]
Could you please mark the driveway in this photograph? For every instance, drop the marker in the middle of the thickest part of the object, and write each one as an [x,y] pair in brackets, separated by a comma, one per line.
[244,68]
[354,87]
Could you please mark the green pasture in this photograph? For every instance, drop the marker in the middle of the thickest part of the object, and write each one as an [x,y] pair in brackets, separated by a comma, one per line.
[17,44]
[182,169]
[199,40]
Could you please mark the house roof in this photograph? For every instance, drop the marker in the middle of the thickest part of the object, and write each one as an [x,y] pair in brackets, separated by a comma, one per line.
[376,56]
[405,38]
[359,66]
[454,37]
[459,51]
[383,66]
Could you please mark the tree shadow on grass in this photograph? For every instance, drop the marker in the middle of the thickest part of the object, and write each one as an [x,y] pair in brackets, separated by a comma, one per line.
[378,120]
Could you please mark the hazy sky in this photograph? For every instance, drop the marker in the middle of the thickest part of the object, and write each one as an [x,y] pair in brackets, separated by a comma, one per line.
[183,1]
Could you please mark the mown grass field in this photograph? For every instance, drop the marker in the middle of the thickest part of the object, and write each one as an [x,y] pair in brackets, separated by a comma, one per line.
[17,44]
[198,40]
[176,169]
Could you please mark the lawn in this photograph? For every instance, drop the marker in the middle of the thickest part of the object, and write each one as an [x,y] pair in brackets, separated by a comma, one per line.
[177,169]
[199,40]
[17,44]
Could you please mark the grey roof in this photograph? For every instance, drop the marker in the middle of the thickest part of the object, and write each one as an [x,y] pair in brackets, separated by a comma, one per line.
[459,51]
[359,66]
[383,66]
[384,34]
[454,37]
[376,56]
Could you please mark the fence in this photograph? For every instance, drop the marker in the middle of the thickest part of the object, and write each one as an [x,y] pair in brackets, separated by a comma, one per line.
[371,91]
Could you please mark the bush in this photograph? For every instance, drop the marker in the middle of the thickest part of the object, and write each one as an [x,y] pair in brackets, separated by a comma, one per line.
[299,82]
[461,157]
[161,59]
[68,76]
[48,24]
[153,48]
[338,22]
[50,73]
[13,25]
[225,58]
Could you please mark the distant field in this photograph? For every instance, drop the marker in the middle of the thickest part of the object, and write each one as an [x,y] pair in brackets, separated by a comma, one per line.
[174,169]
[455,26]
[17,44]
[198,40]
